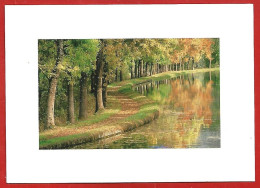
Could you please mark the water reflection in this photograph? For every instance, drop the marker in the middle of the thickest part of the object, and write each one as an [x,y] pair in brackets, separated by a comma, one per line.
[189,115]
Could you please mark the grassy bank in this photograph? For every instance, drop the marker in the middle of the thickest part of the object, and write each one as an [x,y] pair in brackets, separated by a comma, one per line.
[147,112]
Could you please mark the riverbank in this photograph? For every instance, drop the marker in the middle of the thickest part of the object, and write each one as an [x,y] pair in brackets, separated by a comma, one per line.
[126,110]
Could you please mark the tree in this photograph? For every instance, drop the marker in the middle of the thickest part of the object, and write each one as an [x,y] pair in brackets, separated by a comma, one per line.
[99,75]
[53,84]
[80,58]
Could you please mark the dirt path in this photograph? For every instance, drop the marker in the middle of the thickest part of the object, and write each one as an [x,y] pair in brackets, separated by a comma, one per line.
[128,108]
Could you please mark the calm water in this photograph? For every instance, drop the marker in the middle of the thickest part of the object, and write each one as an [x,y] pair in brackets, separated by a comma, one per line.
[189,115]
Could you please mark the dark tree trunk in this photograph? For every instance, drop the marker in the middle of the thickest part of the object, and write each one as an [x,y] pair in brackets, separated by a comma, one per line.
[139,69]
[104,95]
[116,73]
[83,109]
[192,63]
[105,83]
[99,75]
[93,83]
[121,75]
[136,76]
[50,122]
[132,76]
[71,117]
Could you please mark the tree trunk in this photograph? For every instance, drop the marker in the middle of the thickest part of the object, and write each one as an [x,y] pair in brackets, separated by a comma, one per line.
[100,66]
[104,84]
[176,67]
[93,83]
[104,92]
[71,117]
[132,76]
[50,122]
[116,73]
[139,69]
[146,69]
[136,76]
[121,76]
[154,70]
[210,63]
[83,110]
[104,95]
[142,69]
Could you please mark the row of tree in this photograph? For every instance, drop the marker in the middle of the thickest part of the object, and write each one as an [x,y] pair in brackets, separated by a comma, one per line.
[92,64]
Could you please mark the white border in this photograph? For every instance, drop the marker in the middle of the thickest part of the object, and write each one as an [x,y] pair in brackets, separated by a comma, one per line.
[233,24]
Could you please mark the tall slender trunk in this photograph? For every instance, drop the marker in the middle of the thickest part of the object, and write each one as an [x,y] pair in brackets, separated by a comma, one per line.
[139,69]
[104,95]
[142,69]
[83,109]
[100,66]
[132,76]
[176,67]
[210,63]
[104,92]
[116,73]
[154,70]
[136,69]
[180,63]
[71,117]
[192,63]
[121,75]
[146,69]
[93,83]
[104,84]
[50,122]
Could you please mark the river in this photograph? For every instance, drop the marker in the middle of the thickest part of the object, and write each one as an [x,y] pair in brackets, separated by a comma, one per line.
[189,115]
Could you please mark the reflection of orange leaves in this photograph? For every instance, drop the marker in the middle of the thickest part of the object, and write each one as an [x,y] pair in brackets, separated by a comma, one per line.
[192,98]
[207,121]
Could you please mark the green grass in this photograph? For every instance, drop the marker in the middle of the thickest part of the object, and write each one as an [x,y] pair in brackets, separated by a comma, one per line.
[144,111]
[98,117]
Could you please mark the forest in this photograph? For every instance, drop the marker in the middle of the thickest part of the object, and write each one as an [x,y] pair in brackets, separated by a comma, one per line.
[75,74]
